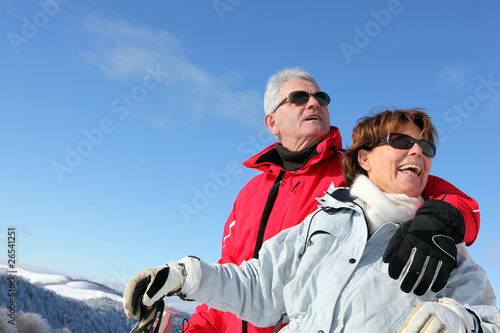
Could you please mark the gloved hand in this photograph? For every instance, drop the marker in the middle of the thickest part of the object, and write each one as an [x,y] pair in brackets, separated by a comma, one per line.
[151,285]
[423,253]
[438,316]
[150,318]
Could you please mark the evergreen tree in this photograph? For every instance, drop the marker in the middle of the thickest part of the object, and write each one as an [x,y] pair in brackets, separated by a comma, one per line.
[39,307]
[32,323]
[5,327]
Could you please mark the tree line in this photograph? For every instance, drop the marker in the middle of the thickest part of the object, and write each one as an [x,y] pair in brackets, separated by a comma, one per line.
[41,310]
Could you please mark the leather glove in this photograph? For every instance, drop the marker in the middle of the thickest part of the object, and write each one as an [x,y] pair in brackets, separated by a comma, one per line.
[438,316]
[423,253]
[151,285]
[150,319]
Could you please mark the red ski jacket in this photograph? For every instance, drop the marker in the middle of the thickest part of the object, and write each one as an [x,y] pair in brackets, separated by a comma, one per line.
[277,199]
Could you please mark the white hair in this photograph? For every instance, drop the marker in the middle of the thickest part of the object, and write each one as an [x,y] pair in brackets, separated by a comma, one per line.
[275,82]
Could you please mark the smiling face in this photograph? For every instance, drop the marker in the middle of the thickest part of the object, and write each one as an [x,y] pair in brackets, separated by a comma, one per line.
[299,126]
[398,171]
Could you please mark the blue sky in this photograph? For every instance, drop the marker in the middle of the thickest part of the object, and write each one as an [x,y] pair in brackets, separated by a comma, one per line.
[123,124]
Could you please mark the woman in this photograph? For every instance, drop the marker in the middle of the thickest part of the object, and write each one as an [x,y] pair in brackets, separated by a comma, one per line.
[327,274]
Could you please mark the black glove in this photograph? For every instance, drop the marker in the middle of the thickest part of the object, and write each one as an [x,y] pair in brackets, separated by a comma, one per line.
[150,318]
[423,252]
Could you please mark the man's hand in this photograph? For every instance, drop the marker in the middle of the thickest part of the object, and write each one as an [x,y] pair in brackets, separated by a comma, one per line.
[423,253]
[151,285]
[438,316]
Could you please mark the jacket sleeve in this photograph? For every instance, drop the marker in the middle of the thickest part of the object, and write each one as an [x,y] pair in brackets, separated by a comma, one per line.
[438,188]
[469,286]
[206,319]
[252,291]
[228,250]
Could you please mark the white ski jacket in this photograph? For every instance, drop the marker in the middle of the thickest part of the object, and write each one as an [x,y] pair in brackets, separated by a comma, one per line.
[327,276]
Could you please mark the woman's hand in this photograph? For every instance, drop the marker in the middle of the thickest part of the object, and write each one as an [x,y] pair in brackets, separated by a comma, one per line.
[423,253]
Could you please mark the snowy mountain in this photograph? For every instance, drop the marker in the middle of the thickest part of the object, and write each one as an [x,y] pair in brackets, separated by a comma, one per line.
[85,289]
[62,304]
[66,286]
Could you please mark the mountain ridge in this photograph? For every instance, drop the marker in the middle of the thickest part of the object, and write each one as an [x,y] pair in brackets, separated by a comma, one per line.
[55,303]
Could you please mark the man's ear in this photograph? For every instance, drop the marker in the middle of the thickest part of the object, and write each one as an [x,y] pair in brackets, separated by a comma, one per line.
[364,159]
[270,121]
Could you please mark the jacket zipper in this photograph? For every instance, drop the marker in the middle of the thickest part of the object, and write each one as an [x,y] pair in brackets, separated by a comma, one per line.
[271,199]
[273,193]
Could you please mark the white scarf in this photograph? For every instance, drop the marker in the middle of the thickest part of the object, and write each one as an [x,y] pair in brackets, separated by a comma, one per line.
[381,207]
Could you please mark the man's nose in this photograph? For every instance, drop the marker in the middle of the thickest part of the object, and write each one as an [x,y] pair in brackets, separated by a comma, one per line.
[312,102]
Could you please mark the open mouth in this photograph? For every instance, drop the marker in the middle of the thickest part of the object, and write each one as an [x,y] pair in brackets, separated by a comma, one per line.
[313,118]
[411,169]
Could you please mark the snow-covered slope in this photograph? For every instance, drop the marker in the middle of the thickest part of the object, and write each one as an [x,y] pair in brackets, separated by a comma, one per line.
[84,289]
[37,278]
[66,286]
[81,290]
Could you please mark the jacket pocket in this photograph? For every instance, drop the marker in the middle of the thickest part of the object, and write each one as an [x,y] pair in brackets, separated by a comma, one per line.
[318,244]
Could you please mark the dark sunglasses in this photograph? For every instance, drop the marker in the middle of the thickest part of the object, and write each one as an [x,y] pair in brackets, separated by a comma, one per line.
[302,97]
[403,141]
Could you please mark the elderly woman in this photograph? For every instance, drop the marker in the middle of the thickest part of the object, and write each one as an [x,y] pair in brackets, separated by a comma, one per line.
[327,274]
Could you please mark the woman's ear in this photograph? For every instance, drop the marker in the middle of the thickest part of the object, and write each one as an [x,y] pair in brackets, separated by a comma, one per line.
[364,159]
[270,121]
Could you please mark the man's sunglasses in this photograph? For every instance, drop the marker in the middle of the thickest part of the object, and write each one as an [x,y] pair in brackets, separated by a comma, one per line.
[302,97]
[403,141]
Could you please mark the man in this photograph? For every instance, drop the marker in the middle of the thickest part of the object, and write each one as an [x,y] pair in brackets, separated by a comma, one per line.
[296,170]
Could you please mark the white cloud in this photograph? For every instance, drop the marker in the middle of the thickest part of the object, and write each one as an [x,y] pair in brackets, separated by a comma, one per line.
[452,76]
[122,52]
[494,104]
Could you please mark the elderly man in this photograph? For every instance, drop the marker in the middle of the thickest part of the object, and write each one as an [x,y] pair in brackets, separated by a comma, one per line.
[299,168]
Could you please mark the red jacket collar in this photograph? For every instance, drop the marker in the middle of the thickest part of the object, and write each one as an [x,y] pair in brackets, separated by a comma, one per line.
[330,144]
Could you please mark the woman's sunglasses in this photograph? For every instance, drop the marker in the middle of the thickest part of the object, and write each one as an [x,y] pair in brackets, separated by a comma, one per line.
[403,141]
[302,97]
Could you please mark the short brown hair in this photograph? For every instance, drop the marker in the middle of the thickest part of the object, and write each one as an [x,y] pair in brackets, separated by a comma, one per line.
[370,130]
